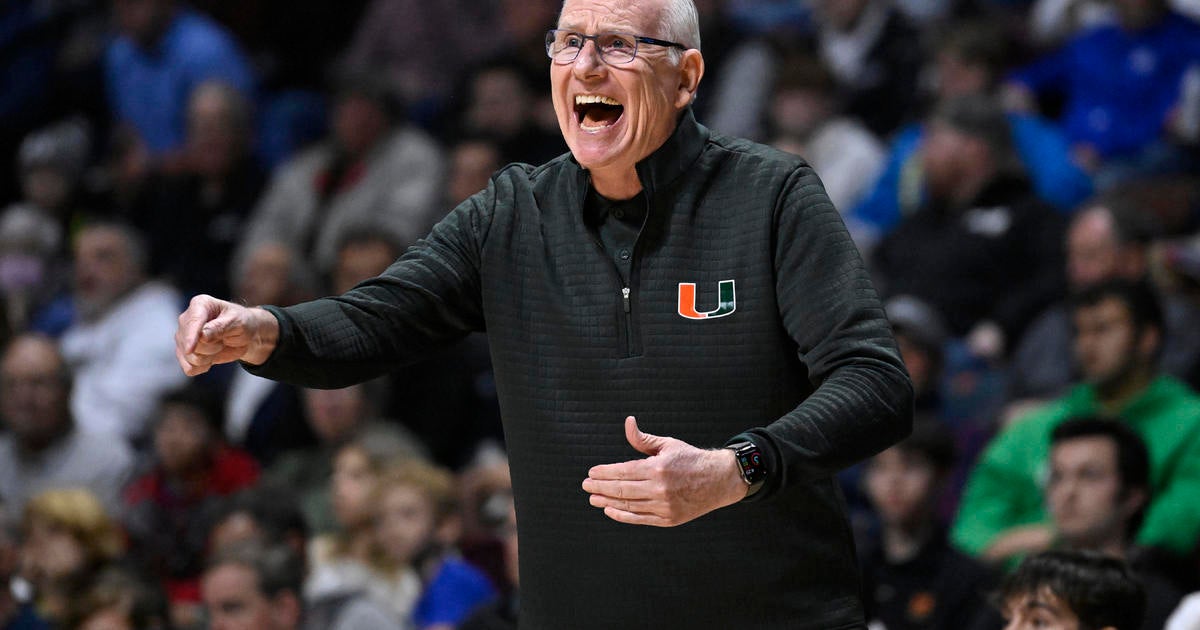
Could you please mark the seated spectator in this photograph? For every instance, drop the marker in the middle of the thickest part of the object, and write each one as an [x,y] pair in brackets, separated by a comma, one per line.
[502,613]
[498,102]
[920,335]
[68,540]
[372,171]
[257,587]
[336,417]
[43,448]
[264,514]
[1105,240]
[1097,493]
[971,58]
[1118,334]
[473,160]
[348,562]
[121,600]
[1121,84]
[262,416]
[193,469]
[120,345]
[417,524]
[804,120]
[195,215]
[872,50]
[912,578]
[983,250]
[162,51]
[1068,589]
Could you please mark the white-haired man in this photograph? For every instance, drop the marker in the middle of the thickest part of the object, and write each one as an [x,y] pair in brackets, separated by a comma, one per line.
[704,283]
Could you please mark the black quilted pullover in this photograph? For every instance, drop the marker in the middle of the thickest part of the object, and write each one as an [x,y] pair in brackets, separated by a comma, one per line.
[780,337]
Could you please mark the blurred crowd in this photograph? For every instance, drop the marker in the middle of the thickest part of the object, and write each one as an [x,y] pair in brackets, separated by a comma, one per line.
[1020,175]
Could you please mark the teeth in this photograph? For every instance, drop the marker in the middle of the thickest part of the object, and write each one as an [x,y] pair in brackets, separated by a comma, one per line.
[588,99]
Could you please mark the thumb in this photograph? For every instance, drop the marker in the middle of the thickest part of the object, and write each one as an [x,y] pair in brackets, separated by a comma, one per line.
[214,330]
[643,442]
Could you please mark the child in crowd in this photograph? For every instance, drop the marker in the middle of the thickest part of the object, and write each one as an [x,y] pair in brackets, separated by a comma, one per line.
[417,524]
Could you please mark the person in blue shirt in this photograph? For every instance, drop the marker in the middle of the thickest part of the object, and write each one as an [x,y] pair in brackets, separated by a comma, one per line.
[1121,83]
[161,53]
[970,60]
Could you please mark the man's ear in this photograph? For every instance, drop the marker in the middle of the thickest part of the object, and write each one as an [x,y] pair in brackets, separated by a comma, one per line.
[691,70]
[286,609]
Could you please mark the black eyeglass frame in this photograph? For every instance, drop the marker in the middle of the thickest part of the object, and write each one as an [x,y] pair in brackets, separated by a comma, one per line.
[637,39]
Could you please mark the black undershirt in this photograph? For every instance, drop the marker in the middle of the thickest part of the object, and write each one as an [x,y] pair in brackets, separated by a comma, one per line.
[617,223]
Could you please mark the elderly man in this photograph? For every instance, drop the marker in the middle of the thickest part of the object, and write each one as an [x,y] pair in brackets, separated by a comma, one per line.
[704,283]
[43,449]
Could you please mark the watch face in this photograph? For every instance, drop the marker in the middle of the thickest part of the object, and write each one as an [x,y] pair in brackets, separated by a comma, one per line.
[750,460]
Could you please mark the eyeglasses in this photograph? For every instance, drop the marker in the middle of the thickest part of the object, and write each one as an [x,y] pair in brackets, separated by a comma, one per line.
[615,48]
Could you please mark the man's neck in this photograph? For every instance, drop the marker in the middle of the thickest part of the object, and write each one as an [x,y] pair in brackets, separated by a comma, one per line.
[1115,396]
[903,542]
[42,443]
[617,186]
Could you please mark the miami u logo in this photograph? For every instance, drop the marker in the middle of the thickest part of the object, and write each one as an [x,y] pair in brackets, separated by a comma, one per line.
[726,302]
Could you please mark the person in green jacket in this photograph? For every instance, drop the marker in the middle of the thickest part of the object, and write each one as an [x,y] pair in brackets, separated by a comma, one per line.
[1118,333]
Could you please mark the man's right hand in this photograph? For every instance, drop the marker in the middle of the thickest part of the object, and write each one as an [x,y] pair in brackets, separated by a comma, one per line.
[213,331]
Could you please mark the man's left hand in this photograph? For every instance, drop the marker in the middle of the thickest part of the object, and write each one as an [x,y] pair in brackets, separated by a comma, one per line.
[675,484]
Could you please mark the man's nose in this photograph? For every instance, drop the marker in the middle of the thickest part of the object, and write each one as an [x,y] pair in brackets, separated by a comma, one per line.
[588,62]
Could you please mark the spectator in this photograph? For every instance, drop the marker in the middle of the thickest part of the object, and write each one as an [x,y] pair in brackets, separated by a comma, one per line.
[971,58]
[983,250]
[805,121]
[1121,84]
[261,416]
[499,103]
[348,562]
[1064,589]
[921,336]
[255,587]
[195,215]
[1118,334]
[472,161]
[372,171]
[337,417]
[193,469]
[418,525]
[121,600]
[362,254]
[1105,240]
[1097,493]
[162,51]
[264,514]
[119,344]
[43,447]
[874,54]
[68,540]
[912,578]
[15,614]
[502,613]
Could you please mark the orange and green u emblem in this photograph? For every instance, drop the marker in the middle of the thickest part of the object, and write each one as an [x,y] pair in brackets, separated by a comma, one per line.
[726,302]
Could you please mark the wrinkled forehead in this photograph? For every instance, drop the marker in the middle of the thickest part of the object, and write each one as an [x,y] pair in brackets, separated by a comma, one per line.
[593,16]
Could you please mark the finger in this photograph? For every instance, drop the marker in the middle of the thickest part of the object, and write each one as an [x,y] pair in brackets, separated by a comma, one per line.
[643,442]
[633,518]
[619,489]
[636,470]
[216,330]
[636,506]
[190,323]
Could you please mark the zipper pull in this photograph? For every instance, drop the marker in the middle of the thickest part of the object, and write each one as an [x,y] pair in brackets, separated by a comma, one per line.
[625,297]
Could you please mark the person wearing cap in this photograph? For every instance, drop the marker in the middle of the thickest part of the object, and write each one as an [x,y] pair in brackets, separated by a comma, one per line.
[983,250]
[372,172]
[921,336]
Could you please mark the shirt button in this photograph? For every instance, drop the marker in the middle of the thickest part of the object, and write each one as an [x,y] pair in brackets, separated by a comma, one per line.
[624,254]
[620,214]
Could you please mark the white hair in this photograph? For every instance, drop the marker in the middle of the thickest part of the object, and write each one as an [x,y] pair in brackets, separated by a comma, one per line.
[680,23]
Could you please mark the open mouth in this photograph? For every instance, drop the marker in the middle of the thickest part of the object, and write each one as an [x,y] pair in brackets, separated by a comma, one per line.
[594,112]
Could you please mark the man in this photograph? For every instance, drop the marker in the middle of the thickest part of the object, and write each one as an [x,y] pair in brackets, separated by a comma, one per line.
[704,283]
[255,586]
[118,345]
[1118,334]
[1104,240]
[1097,493]
[1065,590]
[979,248]
[43,449]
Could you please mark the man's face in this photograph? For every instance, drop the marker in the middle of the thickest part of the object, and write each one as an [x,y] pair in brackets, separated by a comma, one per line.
[33,392]
[901,485]
[234,601]
[351,486]
[335,413]
[945,152]
[1084,493]
[141,20]
[1041,611]
[1094,253]
[647,90]
[104,269]
[1106,343]
[362,260]
[214,139]
[181,439]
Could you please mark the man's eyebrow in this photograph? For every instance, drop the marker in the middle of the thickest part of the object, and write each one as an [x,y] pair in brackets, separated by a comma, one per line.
[1036,603]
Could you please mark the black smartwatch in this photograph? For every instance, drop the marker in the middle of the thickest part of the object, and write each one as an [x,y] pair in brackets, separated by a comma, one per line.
[750,463]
